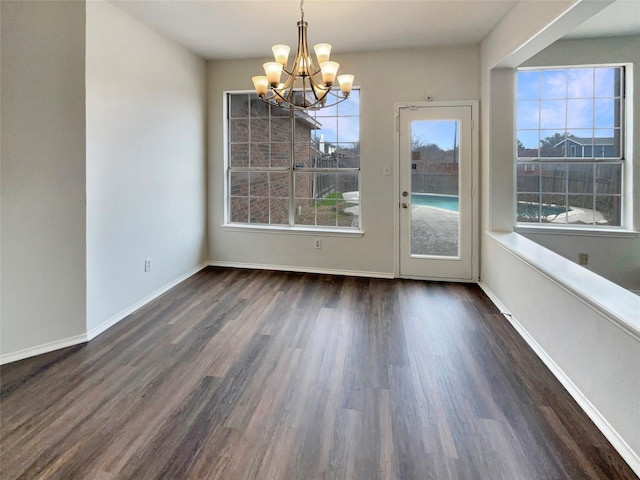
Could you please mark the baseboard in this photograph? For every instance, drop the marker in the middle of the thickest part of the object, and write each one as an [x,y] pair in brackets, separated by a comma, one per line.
[44,348]
[291,268]
[625,451]
[94,332]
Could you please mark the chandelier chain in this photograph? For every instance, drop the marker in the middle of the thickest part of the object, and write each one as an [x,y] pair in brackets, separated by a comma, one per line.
[302,9]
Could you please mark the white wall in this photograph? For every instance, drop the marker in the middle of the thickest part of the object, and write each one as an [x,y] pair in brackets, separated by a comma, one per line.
[593,349]
[146,166]
[615,258]
[43,174]
[409,75]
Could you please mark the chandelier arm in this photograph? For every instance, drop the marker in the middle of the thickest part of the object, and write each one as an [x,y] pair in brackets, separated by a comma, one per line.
[312,106]
[289,83]
[315,87]
[277,94]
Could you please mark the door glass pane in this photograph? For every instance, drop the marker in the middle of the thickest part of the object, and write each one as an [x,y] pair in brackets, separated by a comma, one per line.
[435,217]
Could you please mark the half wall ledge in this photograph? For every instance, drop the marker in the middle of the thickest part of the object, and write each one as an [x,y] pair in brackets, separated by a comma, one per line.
[617,304]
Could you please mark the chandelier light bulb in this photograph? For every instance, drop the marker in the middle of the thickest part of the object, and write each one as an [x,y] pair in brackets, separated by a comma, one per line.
[346,83]
[261,84]
[323,50]
[329,71]
[303,66]
[273,71]
[279,93]
[320,92]
[281,54]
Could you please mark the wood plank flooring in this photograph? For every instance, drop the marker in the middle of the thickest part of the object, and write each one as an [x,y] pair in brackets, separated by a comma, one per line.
[240,374]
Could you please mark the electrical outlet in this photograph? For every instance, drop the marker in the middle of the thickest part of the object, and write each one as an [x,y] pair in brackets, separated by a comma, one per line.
[147,265]
[317,243]
[583,259]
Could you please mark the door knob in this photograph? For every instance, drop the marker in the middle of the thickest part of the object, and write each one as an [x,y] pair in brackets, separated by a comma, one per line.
[405,205]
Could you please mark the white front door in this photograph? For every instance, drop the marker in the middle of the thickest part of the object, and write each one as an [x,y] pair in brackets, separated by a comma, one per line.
[437,215]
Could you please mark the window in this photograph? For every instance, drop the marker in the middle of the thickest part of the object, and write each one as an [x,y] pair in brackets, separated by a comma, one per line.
[570,146]
[299,169]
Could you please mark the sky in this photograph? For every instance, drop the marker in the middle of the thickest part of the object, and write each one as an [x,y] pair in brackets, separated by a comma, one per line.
[443,133]
[346,128]
[343,129]
[579,101]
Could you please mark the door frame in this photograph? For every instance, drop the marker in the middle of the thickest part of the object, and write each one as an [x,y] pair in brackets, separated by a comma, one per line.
[475,184]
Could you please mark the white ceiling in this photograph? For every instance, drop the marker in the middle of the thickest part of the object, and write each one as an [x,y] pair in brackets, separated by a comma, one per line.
[620,18]
[222,29]
[217,29]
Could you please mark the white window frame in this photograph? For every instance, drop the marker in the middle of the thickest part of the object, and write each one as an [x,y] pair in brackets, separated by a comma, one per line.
[626,227]
[291,228]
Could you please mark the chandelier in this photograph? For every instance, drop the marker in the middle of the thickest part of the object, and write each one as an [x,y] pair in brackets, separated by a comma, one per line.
[305,87]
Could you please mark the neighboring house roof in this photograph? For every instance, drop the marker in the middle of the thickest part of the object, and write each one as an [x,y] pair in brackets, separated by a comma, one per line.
[587,141]
[527,152]
[302,116]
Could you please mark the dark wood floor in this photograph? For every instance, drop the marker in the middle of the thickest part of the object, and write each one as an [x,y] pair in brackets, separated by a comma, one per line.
[239,374]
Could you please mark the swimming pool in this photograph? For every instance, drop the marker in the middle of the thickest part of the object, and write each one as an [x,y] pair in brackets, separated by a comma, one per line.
[547,209]
[450,202]
[447,202]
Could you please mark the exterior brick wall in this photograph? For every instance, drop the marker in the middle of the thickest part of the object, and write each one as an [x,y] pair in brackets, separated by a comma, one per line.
[260,139]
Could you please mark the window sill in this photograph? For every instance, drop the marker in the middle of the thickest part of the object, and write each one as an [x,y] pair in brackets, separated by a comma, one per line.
[327,232]
[577,230]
